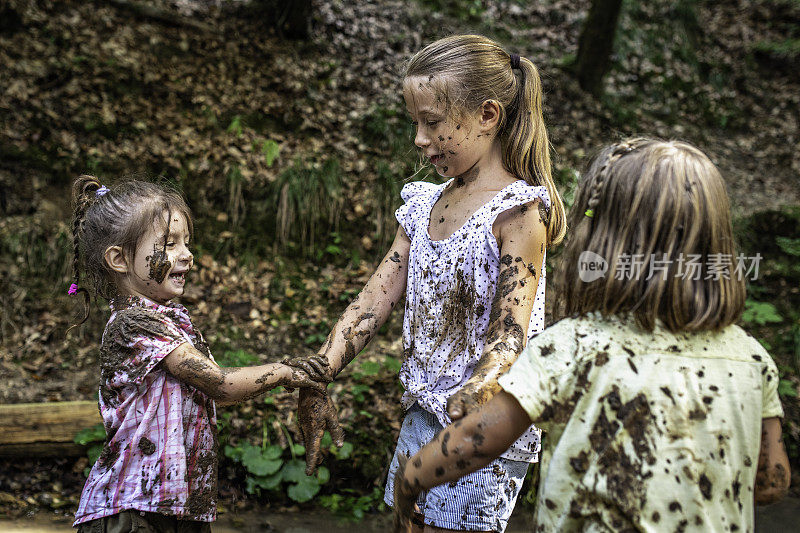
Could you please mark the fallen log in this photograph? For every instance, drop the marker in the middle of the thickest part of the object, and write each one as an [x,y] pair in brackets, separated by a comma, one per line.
[45,429]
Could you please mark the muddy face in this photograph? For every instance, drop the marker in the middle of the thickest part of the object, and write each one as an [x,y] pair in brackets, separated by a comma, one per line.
[159,265]
[160,262]
[453,140]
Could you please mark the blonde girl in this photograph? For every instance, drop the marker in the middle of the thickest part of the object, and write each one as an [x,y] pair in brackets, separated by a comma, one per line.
[469,257]
[660,413]
[158,380]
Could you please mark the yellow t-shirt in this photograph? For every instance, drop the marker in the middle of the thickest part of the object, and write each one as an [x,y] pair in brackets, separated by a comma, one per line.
[645,431]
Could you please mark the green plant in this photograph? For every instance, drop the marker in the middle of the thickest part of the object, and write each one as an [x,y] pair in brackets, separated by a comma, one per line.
[760,313]
[350,505]
[309,199]
[94,437]
[789,246]
[270,150]
[269,466]
[235,126]
[788,49]
[233,358]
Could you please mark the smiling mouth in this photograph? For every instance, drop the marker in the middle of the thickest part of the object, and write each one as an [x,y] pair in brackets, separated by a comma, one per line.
[178,278]
[436,159]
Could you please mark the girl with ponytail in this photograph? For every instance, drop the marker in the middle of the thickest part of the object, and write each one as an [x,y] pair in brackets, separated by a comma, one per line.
[469,257]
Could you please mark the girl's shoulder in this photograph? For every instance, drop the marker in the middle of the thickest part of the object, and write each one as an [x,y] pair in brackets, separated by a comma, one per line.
[132,322]
[421,189]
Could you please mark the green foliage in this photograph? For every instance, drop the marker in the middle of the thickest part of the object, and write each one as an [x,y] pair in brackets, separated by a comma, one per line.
[272,467]
[309,200]
[235,358]
[657,45]
[350,505]
[270,149]
[789,246]
[760,313]
[387,129]
[788,49]
[235,126]
[94,437]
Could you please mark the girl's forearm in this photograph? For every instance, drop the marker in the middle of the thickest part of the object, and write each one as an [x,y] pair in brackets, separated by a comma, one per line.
[467,445]
[231,385]
[362,319]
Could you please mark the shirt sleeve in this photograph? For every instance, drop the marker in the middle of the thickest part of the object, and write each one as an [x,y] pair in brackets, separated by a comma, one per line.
[770,403]
[543,377]
[136,341]
[412,193]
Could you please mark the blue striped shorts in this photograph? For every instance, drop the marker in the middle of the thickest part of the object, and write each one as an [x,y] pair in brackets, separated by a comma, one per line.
[480,501]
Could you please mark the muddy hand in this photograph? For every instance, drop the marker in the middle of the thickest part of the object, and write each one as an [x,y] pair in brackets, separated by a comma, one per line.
[316,413]
[316,366]
[299,379]
[405,496]
[471,396]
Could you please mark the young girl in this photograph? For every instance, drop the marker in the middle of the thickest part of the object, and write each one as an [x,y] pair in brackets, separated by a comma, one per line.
[661,415]
[158,380]
[469,256]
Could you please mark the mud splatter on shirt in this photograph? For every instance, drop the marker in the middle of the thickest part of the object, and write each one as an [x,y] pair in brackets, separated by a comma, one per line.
[645,431]
[449,292]
[161,449]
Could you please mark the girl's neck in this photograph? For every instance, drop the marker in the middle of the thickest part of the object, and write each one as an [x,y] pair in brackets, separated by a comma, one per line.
[488,173]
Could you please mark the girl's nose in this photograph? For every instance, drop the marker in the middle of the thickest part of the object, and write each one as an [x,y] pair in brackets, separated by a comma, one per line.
[420,139]
[185,254]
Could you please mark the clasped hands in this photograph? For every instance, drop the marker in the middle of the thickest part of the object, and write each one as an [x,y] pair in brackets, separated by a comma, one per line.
[316,412]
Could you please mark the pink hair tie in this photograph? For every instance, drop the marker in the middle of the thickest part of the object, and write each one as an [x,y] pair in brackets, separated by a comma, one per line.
[72,289]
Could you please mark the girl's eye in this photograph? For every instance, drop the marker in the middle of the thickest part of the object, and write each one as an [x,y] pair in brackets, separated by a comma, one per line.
[414,123]
[432,123]
[170,244]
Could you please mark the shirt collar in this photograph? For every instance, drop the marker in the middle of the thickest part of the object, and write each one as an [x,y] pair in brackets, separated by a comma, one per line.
[170,309]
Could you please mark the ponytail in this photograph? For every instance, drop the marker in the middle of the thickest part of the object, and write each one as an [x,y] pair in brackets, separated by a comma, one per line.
[526,148]
[84,190]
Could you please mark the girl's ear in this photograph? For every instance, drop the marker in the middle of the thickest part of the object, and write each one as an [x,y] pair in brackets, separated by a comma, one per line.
[490,115]
[115,259]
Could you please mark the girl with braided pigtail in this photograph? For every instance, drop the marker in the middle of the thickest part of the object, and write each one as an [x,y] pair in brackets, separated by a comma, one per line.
[159,384]
[660,413]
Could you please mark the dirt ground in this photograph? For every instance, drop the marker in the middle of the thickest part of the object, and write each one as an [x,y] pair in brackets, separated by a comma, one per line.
[780,517]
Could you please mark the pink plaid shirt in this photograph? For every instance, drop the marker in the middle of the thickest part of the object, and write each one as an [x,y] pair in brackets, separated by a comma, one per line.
[160,453]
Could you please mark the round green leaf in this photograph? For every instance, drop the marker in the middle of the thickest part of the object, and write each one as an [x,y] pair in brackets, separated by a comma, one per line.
[294,470]
[323,475]
[303,490]
[257,464]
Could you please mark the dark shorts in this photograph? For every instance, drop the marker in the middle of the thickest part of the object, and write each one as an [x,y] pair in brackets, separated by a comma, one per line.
[480,501]
[142,522]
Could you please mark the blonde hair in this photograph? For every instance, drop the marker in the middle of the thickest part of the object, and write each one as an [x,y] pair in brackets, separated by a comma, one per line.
[650,197]
[473,69]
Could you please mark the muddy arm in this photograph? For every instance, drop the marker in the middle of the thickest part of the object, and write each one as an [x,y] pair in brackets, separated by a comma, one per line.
[231,385]
[359,323]
[354,329]
[462,447]
[522,236]
[773,474]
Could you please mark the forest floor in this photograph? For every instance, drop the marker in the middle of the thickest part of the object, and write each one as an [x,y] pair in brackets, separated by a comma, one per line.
[242,120]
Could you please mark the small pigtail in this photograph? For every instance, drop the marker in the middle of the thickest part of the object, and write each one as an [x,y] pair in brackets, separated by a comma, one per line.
[84,194]
[617,151]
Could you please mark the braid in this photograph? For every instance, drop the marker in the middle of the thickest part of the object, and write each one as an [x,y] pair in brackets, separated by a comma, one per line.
[618,151]
[83,196]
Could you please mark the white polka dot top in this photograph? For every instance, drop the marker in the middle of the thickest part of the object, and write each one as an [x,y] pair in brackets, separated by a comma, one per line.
[449,291]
